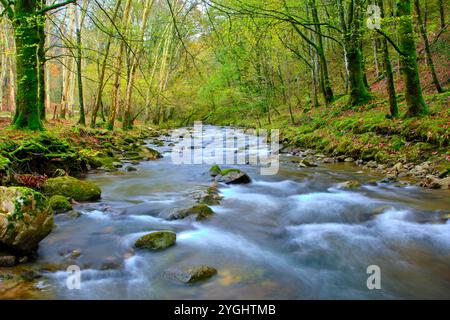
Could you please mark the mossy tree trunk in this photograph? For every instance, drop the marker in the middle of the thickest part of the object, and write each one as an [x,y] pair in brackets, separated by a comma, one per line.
[407,44]
[352,42]
[28,42]
[388,73]
[28,21]
[325,78]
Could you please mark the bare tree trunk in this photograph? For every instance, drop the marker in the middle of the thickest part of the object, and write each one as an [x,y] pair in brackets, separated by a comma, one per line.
[67,68]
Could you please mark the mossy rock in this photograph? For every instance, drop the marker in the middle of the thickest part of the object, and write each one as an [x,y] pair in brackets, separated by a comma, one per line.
[5,172]
[59,204]
[25,219]
[191,275]
[150,154]
[233,176]
[215,170]
[72,188]
[157,240]
[352,184]
[201,211]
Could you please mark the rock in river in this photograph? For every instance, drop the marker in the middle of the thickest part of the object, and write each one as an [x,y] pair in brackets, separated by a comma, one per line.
[25,219]
[192,274]
[157,240]
[72,188]
[352,184]
[201,211]
[233,176]
[59,204]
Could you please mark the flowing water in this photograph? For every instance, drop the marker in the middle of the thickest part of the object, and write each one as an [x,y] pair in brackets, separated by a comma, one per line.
[294,235]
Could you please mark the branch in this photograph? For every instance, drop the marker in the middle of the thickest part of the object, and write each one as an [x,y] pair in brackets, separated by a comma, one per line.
[391,42]
[55,6]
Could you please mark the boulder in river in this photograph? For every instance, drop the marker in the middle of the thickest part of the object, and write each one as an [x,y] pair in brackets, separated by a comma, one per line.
[157,240]
[25,219]
[150,154]
[72,188]
[306,164]
[193,274]
[233,176]
[352,184]
[59,204]
[201,211]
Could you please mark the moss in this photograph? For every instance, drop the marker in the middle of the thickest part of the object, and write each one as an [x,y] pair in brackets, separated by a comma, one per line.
[215,170]
[59,204]
[72,188]
[227,171]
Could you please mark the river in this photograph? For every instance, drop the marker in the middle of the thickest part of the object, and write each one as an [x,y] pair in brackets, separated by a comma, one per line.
[294,235]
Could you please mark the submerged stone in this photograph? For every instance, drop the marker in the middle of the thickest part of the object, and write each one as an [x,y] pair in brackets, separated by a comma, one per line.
[193,274]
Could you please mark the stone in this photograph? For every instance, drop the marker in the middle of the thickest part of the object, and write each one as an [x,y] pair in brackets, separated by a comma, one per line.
[349,159]
[131,169]
[117,164]
[193,274]
[7,260]
[328,160]
[200,211]
[59,204]
[306,164]
[157,240]
[372,164]
[25,219]
[352,184]
[149,153]
[72,188]
[214,171]
[233,176]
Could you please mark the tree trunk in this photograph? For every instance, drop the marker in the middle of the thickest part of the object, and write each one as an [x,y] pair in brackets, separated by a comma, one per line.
[79,61]
[423,31]
[442,13]
[352,43]
[327,90]
[390,86]
[27,40]
[413,90]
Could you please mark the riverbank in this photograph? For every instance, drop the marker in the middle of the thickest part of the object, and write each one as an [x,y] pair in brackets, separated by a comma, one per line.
[413,150]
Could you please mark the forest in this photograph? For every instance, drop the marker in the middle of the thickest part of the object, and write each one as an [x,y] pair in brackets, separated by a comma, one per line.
[92,93]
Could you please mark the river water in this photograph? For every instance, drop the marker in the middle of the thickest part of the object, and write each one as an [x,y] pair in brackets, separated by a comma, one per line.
[294,235]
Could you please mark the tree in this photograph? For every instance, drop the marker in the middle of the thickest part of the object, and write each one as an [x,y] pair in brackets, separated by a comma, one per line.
[410,70]
[388,73]
[351,26]
[423,32]
[28,20]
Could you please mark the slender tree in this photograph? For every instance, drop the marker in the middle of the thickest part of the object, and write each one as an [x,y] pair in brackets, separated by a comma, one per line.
[410,70]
